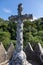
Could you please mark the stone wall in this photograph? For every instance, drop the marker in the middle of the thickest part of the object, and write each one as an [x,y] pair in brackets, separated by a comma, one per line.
[2,53]
[6,55]
[34,55]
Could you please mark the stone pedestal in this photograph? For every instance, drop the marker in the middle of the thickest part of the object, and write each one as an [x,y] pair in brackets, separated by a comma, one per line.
[19,58]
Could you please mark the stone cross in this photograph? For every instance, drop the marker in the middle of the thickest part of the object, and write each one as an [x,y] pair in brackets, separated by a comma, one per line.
[19,18]
[19,56]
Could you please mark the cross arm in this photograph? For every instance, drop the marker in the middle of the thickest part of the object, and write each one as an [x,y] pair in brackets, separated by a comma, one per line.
[23,17]
[12,17]
[27,16]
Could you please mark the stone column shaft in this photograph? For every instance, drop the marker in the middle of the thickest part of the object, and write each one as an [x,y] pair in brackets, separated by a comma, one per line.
[19,44]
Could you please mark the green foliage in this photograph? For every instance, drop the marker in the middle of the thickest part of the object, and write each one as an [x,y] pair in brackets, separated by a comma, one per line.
[5,38]
[32,31]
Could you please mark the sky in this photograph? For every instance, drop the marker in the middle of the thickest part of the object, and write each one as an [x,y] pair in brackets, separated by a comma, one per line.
[9,7]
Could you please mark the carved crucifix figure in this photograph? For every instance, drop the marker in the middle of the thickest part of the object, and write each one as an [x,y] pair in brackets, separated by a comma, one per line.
[19,56]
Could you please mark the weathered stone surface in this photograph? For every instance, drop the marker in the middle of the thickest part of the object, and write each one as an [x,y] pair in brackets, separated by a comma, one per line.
[5,62]
[19,58]
[39,53]
[33,56]
[29,52]
[2,53]
[38,49]
[6,55]
[10,51]
[33,62]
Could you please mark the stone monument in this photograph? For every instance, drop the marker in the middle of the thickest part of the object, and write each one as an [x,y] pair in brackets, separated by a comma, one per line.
[19,56]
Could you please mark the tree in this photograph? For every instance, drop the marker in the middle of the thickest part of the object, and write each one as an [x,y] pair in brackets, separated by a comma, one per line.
[5,38]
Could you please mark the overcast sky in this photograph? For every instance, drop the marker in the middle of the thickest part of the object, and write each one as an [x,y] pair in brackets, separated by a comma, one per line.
[9,7]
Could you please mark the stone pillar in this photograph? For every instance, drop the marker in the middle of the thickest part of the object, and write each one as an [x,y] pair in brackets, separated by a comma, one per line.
[19,44]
